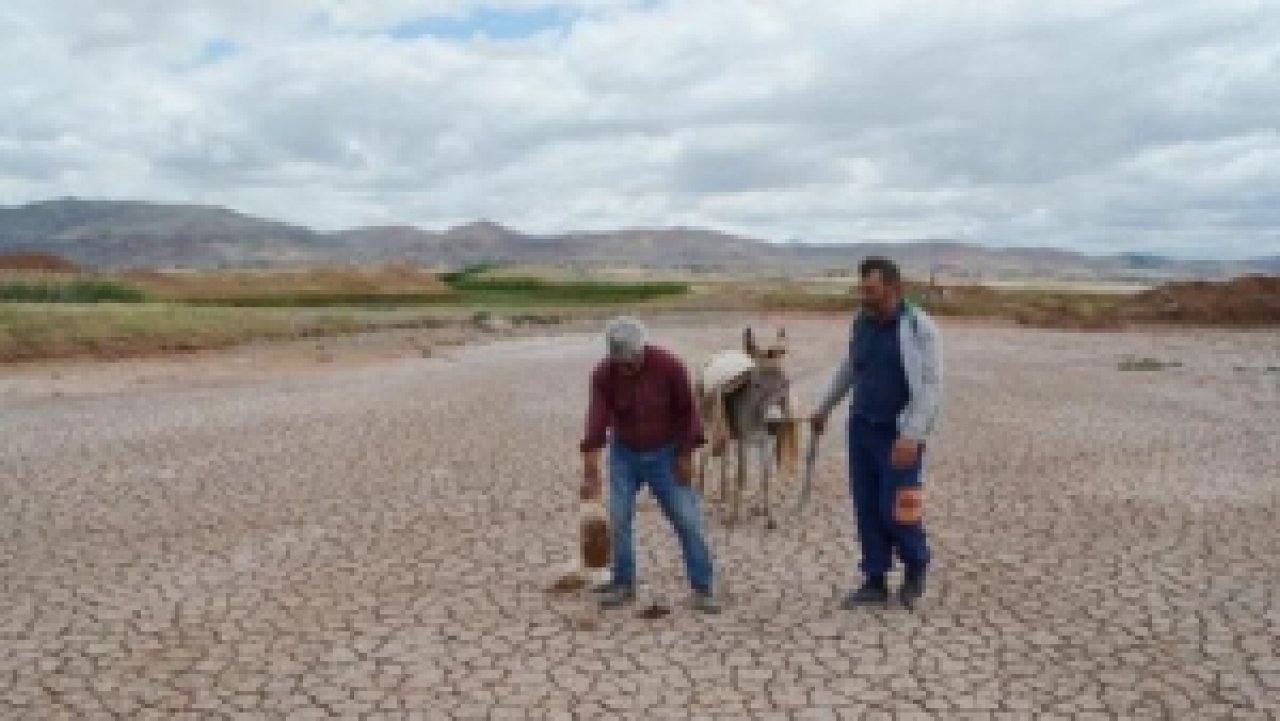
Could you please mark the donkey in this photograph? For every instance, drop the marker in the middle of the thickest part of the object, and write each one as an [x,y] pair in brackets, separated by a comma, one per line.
[750,406]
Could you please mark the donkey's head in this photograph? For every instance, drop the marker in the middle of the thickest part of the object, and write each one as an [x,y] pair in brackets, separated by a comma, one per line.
[770,386]
[769,355]
[766,407]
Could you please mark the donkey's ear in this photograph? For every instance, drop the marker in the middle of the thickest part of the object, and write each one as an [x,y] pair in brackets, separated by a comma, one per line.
[782,334]
[749,343]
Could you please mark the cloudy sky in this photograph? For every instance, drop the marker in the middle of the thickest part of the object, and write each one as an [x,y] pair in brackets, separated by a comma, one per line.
[1099,125]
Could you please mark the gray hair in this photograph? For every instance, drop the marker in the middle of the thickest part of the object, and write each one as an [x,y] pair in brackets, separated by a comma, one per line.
[625,337]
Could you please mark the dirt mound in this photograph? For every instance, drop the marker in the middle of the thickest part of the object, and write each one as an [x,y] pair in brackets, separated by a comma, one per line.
[1064,311]
[1067,315]
[1248,300]
[40,262]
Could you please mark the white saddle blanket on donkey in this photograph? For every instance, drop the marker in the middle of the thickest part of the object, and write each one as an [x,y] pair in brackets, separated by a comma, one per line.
[724,370]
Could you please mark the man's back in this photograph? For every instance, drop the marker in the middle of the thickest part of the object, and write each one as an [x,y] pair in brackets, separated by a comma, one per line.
[646,410]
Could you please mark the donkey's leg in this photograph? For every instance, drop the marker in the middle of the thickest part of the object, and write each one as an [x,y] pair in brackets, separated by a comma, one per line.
[704,457]
[740,479]
[766,474]
[757,456]
[727,472]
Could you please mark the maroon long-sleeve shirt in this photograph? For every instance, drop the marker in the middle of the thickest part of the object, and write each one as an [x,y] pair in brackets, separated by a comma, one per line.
[646,411]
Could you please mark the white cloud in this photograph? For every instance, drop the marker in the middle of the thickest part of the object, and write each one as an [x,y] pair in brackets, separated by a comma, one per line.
[1098,124]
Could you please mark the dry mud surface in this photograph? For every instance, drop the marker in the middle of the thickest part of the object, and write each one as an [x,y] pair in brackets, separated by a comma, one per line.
[375,540]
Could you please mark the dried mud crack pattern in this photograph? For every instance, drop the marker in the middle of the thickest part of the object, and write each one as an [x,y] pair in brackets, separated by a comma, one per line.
[376,543]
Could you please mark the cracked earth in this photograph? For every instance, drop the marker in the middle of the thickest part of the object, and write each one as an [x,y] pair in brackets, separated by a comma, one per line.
[375,540]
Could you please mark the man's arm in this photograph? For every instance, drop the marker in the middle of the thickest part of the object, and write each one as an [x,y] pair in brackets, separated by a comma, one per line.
[837,389]
[921,414]
[924,379]
[688,423]
[597,421]
[596,426]
[842,381]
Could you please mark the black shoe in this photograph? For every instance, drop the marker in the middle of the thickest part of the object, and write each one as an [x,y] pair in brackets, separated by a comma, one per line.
[617,597]
[912,588]
[874,592]
[706,602]
[609,587]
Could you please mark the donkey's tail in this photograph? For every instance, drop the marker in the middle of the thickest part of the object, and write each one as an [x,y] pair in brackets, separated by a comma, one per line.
[786,449]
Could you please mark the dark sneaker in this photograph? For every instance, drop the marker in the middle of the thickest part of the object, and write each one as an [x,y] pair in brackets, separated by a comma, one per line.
[912,588]
[874,592]
[705,602]
[617,596]
[605,587]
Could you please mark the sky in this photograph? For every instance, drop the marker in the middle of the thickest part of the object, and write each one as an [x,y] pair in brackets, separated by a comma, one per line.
[1096,125]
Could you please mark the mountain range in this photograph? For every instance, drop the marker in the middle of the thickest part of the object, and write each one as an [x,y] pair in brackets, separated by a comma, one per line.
[135,234]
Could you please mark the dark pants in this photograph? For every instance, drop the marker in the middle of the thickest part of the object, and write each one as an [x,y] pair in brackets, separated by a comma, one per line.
[874,485]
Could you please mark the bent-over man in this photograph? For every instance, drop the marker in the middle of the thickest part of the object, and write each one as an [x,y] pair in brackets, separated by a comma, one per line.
[642,408]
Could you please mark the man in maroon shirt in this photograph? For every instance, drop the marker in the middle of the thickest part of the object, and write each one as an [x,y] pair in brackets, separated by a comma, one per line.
[642,409]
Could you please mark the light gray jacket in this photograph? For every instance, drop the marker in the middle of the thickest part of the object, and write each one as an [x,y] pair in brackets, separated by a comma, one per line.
[921,356]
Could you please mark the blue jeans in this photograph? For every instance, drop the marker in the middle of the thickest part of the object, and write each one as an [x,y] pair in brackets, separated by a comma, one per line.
[629,470]
[874,484]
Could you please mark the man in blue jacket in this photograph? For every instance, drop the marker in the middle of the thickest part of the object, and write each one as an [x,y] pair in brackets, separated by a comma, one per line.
[894,371]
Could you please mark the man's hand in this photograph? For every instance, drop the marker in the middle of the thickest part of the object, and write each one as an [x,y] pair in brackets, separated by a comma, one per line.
[818,423]
[684,468]
[906,453]
[591,483]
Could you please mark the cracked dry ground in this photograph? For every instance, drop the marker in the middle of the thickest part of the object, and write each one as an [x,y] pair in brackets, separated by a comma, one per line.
[376,541]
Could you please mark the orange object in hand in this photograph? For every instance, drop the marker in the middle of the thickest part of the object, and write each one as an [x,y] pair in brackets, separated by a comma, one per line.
[908,505]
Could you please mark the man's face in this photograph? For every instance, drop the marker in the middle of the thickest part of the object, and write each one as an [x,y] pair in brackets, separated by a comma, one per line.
[631,365]
[878,296]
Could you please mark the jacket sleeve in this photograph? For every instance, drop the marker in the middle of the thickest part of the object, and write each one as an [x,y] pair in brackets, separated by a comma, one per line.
[688,423]
[597,421]
[842,381]
[838,388]
[924,377]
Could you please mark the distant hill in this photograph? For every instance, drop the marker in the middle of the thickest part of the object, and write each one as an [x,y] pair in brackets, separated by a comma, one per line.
[1270,264]
[116,234]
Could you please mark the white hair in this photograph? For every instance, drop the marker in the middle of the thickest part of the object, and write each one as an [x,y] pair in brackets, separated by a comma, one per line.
[625,337]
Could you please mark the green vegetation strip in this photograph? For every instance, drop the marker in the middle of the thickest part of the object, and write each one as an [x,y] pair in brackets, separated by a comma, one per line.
[70,291]
[465,287]
[471,286]
[505,292]
[536,289]
[1147,364]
